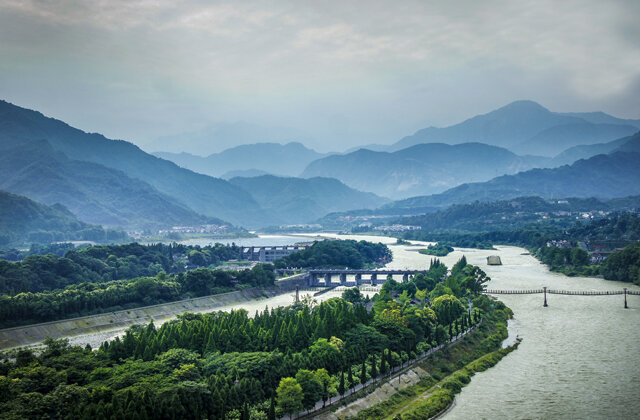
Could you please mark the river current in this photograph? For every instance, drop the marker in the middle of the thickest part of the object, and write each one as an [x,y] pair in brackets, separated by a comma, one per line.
[579,357]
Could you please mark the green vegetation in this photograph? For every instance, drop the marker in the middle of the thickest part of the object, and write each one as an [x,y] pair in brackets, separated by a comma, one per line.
[90,298]
[337,254]
[541,238]
[24,221]
[59,249]
[438,250]
[623,265]
[514,214]
[449,369]
[228,365]
[105,263]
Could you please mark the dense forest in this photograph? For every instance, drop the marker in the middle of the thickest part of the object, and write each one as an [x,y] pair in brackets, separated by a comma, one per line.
[437,250]
[338,254]
[623,265]
[231,365]
[113,277]
[104,263]
[87,298]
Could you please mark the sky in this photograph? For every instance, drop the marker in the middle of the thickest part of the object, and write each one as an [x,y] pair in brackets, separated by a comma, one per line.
[334,74]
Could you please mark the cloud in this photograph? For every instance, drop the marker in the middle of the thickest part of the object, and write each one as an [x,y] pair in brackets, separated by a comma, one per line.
[382,68]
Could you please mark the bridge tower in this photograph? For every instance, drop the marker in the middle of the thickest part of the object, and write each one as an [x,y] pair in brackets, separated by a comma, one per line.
[625,299]
[544,290]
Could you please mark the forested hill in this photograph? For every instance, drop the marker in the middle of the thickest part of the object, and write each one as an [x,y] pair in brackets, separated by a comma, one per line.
[421,169]
[203,194]
[104,263]
[516,213]
[25,221]
[603,176]
[298,200]
[94,193]
[265,157]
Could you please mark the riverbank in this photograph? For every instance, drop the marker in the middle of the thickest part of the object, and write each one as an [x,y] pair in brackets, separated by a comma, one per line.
[432,383]
[95,329]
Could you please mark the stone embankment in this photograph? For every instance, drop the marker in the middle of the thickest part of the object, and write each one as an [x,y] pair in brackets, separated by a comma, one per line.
[107,324]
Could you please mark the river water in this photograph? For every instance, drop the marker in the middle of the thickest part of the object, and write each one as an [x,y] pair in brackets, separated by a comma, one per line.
[579,358]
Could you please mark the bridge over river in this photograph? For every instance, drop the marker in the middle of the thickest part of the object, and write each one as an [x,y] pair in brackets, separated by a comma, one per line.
[546,291]
[324,278]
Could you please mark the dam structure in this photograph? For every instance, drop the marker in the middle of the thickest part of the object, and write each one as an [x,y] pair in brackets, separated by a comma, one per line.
[324,278]
[269,253]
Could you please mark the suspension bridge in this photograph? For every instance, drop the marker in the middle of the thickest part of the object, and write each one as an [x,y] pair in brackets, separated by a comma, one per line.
[546,291]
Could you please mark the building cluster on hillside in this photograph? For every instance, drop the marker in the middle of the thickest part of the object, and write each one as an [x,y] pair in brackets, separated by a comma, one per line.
[216,229]
[559,244]
[397,228]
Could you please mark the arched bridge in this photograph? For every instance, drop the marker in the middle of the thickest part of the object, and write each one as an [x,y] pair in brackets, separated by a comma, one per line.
[324,278]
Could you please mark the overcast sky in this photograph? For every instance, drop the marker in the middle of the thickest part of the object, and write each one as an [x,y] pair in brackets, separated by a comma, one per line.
[342,72]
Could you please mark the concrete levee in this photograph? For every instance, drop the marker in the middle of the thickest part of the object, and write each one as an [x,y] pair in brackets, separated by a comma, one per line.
[34,334]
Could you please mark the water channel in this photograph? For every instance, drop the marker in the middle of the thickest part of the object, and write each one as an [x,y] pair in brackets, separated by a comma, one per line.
[578,357]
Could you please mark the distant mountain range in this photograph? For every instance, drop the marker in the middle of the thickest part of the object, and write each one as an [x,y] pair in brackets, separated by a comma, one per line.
[271,158]
[205,195]
[94,193]
[601,176]
[296,200]
[114,183]
[24,221]
[586,151]
[217,137]
[421,169]
[526,127]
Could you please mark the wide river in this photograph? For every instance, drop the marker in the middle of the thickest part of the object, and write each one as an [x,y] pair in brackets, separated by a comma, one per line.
[579,358]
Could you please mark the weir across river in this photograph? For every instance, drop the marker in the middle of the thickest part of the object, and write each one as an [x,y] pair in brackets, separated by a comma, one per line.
[323,278]
[546,291]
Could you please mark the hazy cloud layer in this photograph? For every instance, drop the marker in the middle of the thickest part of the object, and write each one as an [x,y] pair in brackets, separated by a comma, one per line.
[345,73]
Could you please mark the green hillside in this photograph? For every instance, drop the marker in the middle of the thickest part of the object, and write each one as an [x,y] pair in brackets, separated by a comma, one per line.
[94,193]
[203,194]
[297,200]
[26,221]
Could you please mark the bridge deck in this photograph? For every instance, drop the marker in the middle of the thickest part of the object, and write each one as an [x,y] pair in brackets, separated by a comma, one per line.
[561,292]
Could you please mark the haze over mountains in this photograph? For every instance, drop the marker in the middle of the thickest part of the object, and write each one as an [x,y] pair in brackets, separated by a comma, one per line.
[271,158]
[297,200]
[421,169]
[526,127]
[602,176]
[114,183]
[21,218]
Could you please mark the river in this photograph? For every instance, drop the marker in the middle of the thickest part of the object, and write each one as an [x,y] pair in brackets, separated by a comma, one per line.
[578,358]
